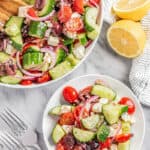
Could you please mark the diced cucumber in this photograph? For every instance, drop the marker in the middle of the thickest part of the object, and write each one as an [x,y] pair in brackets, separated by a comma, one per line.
[57,133]
[4,57]
[60,69]
[37,29]
[33,49]
[82,38]
[103,133]
[93,34]
[103,92]
[12,79]
[60,55]
[90,18]
[126,127]
[74,61]
[13,25]
[111,113]
[83,135]
[90,122]
[31,60]
[58,110]
[67,41]
[124,146]
[49,6]
[17,42]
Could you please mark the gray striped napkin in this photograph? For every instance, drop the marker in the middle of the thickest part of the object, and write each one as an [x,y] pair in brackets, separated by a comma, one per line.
[140,71]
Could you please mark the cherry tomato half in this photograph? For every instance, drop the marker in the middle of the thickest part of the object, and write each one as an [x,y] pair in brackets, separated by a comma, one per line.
[87,89]
[70,94]
[106,144]
[78,6]
[32,12]
[59,146]
[67,119]
[64,13]
[129,102]
[44,78]
[123,138]
[94,2]
[26,82]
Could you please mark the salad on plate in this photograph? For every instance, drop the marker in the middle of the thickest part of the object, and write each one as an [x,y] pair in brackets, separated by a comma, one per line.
[94,118]
[47,40]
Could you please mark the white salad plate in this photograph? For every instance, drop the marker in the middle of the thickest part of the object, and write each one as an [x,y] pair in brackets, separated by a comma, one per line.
[138,129]
[88,52]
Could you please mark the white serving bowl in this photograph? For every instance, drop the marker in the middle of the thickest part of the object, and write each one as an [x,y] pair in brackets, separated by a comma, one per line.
[138,129]
[88,52]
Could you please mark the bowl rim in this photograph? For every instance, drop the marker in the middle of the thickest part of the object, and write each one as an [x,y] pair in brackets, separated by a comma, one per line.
[98,76]
[90,50]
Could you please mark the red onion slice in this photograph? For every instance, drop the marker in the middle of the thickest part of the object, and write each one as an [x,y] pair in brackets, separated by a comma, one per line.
[24,71]
[24,77]
[40,18]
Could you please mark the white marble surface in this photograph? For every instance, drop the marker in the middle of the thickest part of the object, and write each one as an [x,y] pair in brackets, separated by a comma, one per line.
[31,103]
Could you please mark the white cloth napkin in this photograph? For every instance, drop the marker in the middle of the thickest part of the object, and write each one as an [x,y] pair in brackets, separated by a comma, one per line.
[139,76]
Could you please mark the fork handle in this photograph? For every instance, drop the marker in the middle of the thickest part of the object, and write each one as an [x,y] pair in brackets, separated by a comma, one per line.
[33,147]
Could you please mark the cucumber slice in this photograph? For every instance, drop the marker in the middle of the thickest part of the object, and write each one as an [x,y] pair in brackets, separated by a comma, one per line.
[103,133]
[11,79]
[126,127]
[82,38]
[93,34]
[71,58]
[111,113]
[60,56]
[103,92]
[124,146]
[90,122]
[60,69]
[17,42]
[67,41]
[37,29]
[49,6]
[13,25]
[33,49]
[83,135]
[57,133]
[90,18]
[4,57]
[58,110]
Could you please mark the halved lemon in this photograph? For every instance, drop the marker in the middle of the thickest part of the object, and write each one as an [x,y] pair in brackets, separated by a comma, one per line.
[127,38]
[131,9]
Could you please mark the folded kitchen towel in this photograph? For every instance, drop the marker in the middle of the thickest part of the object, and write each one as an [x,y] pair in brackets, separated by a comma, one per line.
[139,76]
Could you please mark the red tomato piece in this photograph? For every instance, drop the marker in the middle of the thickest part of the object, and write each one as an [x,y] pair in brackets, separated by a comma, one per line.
[44,78]
[123,138]
[32,12]
[129,102]
[64,13]
[106,144]
[77,111]
[67,119]
[94,2]
[78,6]
[70,94]
[74,24]
[78,148]
[59,146]
[88,89]
[26,82]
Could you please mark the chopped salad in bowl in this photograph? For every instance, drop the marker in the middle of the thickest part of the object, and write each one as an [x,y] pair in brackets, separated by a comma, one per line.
[47,40]
[95,117]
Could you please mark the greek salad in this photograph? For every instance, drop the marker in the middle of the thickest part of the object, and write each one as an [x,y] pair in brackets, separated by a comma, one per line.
[95,118]
[46,40]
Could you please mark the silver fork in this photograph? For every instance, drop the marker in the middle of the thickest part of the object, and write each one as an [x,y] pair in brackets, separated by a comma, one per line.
[25,133]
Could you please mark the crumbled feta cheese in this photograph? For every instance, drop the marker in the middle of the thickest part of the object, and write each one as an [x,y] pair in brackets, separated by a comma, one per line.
[112,132]
[104,101]
[23,10]
[71,35]
[65,108]
[88,106]
[97,107]
[128,118]
[10,49]
[54,41]
[79,51]
[113,147]
[49,24]
[75,15]
[67,128]
[47,58]
[47,33]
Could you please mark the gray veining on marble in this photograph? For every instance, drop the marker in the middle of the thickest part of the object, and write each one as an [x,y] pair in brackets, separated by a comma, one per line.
[31,103]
